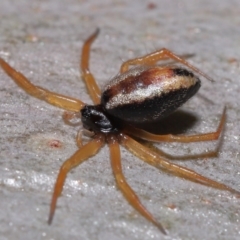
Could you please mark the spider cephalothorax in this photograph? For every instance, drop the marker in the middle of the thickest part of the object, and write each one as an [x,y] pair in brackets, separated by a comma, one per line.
[95,119]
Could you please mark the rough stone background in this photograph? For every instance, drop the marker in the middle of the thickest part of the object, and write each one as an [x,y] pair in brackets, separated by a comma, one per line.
[43,39]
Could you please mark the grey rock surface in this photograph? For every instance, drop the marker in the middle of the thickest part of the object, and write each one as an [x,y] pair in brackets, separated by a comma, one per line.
[42,39]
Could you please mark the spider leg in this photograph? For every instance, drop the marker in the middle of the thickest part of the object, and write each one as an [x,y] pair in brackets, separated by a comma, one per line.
[77,158]
[204,155]
[154,159]
[123,185]
[162,54]
[55,99]
[88,78]
[179,138]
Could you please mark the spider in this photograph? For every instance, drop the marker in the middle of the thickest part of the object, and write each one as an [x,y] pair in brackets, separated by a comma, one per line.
[145,93]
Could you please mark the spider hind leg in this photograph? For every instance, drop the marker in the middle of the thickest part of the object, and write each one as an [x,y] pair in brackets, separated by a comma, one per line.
[162,54]
[153,158]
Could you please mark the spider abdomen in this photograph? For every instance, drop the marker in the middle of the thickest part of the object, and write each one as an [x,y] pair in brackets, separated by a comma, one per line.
[146,94]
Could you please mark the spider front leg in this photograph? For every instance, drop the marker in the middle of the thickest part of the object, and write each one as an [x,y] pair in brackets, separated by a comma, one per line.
[162,54]
[58,100]
[88,78]
[179,138]
[123,185]
[154,159]
[80,156]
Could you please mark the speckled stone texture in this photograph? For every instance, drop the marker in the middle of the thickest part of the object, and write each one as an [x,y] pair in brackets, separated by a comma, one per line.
[42,39]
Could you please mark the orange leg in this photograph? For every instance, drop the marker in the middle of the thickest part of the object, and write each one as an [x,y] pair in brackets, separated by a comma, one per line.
[205,155]
[153,158]
[179,138]
[58,100]
[88,78]
[162,54]
[77,158]
[123,185]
